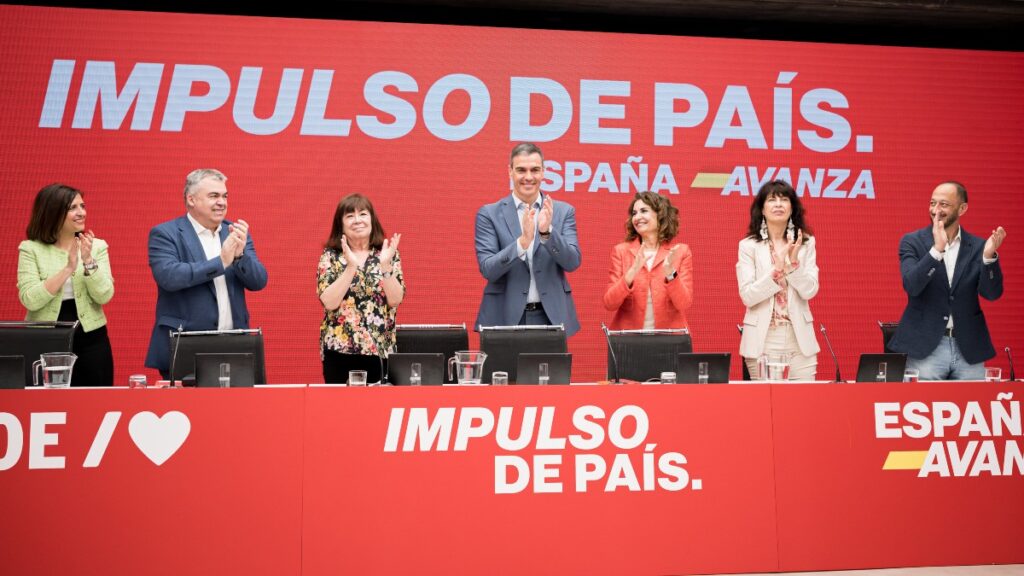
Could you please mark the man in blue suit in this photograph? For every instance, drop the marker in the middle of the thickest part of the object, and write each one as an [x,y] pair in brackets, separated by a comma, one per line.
[202,264]
[945,269]
[525,243]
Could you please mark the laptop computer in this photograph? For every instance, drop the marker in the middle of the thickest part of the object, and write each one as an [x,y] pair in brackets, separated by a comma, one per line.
[870,365]
[559,367]
[432,368]
[243,373]
[12,372]
[688,367]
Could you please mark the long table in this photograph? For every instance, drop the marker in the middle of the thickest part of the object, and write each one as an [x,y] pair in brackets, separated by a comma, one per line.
[511,480]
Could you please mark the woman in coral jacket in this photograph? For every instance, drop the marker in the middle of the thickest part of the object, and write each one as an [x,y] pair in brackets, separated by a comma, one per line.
[650,281]
[777,273]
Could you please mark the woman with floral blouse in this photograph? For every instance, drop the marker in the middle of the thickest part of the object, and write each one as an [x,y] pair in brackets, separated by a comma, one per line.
[360,284]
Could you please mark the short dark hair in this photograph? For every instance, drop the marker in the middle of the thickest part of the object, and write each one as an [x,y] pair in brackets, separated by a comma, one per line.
[49,211]
[524,149]
[961,191]
[668,216]
[776,188]
[349,204]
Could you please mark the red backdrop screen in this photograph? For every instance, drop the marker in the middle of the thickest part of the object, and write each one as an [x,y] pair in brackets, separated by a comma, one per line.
[299,113]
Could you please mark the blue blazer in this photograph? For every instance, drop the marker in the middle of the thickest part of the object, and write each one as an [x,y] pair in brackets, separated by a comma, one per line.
[508,277]
[186,297]
[931,299]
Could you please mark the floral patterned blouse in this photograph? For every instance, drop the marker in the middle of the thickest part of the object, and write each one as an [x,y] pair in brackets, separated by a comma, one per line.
[780,311]
[364,323]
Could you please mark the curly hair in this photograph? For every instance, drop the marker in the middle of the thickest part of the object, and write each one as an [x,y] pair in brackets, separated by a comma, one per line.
[668,216]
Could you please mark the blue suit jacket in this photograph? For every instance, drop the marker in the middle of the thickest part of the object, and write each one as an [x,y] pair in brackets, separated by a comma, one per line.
[186,297]
[931,299]
[508,277]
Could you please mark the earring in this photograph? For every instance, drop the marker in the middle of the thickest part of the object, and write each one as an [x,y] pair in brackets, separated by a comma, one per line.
[790,230]
[764,229]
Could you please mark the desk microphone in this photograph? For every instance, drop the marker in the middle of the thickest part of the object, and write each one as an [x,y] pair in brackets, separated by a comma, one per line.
[174,354]
[1009,356]
[611,351]
[833,352]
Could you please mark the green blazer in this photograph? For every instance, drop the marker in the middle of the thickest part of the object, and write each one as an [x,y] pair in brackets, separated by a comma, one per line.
[38,261]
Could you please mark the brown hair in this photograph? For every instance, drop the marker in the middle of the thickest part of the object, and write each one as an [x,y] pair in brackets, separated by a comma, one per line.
[349,204]
[668,216]
[49,211]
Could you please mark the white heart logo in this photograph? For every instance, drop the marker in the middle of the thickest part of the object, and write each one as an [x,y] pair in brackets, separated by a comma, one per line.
[159,437]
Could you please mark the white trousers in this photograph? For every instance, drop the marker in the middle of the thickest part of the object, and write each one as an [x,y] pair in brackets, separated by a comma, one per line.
[781,340]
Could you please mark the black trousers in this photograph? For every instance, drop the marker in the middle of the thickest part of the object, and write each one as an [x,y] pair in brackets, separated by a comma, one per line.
[95,363]
[337,365]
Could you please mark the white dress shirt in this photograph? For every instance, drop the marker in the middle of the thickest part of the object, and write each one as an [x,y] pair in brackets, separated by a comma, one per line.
[527,255]
[210,241]
[949,260]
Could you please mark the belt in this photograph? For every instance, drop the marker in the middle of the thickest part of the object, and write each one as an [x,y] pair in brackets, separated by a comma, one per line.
[948,332]
[532,306]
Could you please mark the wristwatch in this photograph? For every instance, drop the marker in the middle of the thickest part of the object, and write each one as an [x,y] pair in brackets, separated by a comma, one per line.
[90,267]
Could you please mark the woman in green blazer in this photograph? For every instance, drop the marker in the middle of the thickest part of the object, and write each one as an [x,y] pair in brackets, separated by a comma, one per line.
[64,274]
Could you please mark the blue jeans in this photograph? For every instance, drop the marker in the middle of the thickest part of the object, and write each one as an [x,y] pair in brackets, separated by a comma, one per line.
[946,363]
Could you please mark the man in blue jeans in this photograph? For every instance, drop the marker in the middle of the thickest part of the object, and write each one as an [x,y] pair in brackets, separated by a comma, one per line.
[944,270]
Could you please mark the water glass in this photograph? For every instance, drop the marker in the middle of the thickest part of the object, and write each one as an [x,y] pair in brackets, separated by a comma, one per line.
[702,372]
[668,377]
[911,375]
[883,372]
[137,381]
[993,374]
[224,380]
[542,373]
[357,377]
[415,374]
[499,378]
[778,368]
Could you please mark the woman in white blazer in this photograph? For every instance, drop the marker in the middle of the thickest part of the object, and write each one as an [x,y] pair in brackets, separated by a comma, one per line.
[778,275]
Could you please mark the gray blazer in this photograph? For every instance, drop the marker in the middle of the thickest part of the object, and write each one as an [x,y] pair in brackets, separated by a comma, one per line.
[508,277]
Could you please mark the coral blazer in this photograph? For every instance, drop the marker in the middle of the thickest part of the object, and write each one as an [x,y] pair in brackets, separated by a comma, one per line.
[671,299]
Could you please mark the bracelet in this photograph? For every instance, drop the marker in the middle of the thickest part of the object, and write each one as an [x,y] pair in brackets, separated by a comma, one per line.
[545,234]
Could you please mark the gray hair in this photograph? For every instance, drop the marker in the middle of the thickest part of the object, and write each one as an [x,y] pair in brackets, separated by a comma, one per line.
[196,176]
[525,149]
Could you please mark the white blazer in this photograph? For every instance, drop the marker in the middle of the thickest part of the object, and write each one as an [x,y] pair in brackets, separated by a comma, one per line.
[757,290]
